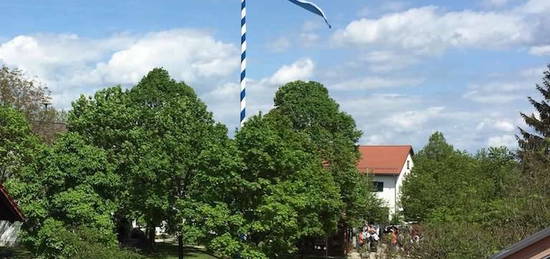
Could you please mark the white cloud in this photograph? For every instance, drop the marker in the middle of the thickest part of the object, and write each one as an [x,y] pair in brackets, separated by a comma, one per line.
[495,3]
[375,82]
[300,70]
[536,7]
[504,140]
[371,113]
[413,120]
[189,55]
[494,98]
[280,44]
[505,126]
[308,39]
[543,50]
[71,65]
[533,73]
[496,124]
[394,5]
[312,25]
[384,7]
[497,92]
[388,60]
[429,30]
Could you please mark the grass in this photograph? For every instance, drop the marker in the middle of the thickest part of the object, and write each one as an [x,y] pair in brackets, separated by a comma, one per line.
[163,251]
[170,251]
[15,252]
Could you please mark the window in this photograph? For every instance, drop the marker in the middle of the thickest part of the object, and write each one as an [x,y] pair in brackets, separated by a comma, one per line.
[408,164]
[378,186]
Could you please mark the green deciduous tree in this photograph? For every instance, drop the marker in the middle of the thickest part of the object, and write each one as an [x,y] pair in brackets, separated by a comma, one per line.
[180,143]
[531,192]
[31,98]
[279,195]
[462,200]
[288,194]
[500,200]
[334,136]
[166,147]
[17,143]
[451,185]
[66,188]
[22,94]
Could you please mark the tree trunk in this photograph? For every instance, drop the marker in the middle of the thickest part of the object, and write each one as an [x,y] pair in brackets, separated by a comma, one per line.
[326,247]
[151,236]
[180,246]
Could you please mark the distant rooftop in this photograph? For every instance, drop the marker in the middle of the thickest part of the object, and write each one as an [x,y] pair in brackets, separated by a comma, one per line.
[383,159]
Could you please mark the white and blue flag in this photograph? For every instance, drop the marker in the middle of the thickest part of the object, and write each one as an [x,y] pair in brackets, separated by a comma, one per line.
[312,8]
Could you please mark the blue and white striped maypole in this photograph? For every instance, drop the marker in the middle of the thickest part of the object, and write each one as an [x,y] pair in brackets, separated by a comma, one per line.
[243,61]
[301,3]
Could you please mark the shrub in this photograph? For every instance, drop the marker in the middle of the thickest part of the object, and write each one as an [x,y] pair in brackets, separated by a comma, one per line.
[54,240]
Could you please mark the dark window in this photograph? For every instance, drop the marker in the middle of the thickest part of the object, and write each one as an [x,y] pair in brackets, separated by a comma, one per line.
[408,165]
[378,186]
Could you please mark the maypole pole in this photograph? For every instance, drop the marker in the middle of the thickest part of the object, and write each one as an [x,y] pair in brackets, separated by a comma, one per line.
[301,3]
[243,61]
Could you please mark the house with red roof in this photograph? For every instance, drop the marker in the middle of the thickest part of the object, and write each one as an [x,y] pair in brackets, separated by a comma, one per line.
[10,219]
[389,166]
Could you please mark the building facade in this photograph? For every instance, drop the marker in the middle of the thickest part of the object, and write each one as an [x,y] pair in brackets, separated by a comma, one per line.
[389,166]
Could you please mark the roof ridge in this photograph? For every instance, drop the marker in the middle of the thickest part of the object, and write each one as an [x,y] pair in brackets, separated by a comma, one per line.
[383,159]
[12,205]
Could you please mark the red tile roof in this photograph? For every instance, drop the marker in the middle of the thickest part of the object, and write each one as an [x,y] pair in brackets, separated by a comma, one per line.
[384,160]
[8,208]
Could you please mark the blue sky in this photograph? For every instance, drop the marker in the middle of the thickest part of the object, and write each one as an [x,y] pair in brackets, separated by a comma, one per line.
[403,69]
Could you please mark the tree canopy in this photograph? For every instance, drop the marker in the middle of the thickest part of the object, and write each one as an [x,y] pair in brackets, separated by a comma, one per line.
[153,153]
[31,98]
[451,185]
[17,143]
[464,200]
[289,195]
[537,137]
[165,144]
[334,137]
[67,187]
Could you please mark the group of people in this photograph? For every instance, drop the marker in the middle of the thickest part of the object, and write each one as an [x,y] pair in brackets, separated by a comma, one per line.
[368,237]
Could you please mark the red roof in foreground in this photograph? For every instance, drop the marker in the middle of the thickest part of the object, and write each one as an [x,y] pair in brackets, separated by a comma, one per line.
[8,208]
[385,160]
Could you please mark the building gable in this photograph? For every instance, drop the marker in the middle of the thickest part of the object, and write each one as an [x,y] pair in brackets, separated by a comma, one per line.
[383,160]
[8,208]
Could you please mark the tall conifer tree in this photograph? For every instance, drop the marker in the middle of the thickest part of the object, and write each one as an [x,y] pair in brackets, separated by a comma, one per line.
[538,139]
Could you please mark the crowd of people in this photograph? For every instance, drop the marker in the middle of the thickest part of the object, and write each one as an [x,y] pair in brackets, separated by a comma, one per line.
[370,235]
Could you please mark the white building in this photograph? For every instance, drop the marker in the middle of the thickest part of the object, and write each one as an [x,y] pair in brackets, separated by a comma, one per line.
[389,166]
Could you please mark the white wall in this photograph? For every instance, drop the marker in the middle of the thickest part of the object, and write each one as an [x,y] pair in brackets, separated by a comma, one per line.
[392,186]
[388,193]
[8,233]
[406,171]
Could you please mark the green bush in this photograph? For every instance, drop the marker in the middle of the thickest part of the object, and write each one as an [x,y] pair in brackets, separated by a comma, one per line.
[455,240]
[54,240]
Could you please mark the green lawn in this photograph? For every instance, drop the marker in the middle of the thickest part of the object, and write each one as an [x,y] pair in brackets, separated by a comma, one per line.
[163,251]
[170,251]
[17,252]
